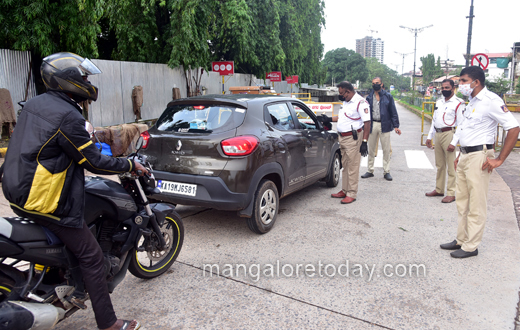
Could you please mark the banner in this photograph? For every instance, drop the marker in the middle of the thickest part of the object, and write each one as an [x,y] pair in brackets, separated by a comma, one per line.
[291,79]
[274,76]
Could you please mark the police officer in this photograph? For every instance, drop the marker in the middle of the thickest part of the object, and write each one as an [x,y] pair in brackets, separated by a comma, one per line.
[476,159]
[447,115]
[353,127]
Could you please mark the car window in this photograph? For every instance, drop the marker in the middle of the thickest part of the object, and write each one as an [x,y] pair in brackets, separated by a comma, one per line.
[281,116]
[200,118]
[305,120]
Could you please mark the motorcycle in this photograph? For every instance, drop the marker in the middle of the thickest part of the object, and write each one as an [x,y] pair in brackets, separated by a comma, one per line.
[135,235]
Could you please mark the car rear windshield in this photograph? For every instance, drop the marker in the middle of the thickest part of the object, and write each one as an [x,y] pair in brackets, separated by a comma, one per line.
[200,118]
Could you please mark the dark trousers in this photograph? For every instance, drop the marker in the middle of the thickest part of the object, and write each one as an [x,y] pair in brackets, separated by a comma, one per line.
[84,246]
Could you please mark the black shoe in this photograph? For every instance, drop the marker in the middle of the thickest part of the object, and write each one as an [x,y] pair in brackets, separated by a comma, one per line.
[463,254]
[451,246]
[388,177]
[367,175]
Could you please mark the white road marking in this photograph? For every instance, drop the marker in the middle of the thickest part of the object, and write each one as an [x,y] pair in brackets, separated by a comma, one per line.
[417,159]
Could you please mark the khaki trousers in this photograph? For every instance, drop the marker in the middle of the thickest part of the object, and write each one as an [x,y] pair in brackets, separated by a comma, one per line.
[444,159]
[351,160]
[375,135]
[472,188]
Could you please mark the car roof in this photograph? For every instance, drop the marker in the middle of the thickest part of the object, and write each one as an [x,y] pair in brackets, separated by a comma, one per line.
[241,100]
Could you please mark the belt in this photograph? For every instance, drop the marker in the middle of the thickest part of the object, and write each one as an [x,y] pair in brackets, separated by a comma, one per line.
[349,133]
[467,150]
[376,120]
[444,129]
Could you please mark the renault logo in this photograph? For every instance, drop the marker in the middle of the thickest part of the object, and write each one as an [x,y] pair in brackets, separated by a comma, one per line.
[179,145]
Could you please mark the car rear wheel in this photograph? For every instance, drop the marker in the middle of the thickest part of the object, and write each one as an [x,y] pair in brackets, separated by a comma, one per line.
[335,169]
[265,208]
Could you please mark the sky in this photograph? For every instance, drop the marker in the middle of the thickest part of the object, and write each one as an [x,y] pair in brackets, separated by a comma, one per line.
[496,26]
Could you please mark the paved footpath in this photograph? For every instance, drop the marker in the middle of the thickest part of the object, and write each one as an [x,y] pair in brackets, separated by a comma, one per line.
[387,242]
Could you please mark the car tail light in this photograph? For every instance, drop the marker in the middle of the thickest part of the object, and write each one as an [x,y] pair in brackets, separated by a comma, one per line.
[146,139]
[199,107]
[239,146]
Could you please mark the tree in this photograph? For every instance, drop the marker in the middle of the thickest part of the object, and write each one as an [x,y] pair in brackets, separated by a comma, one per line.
[300,34]
[344,64]
[258,35]
[498,84]
[46,27]
[430,70]
[141,29]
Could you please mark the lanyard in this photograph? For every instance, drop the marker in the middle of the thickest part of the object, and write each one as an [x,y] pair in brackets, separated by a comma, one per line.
[356,110]
[454,120]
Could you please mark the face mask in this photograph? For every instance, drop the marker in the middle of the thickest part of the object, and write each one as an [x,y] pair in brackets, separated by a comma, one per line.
[341,98]
[446,93]
[376,87]
[466,89]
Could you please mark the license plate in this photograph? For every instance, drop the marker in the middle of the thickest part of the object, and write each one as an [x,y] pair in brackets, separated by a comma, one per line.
[177,188]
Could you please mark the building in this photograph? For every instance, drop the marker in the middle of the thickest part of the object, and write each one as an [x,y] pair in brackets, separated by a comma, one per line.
[499,65]
[371,47]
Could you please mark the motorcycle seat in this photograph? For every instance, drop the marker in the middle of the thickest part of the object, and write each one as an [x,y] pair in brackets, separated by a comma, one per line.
[19,230]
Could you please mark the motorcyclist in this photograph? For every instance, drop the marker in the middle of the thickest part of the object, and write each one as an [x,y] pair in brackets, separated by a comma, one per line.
[44,173]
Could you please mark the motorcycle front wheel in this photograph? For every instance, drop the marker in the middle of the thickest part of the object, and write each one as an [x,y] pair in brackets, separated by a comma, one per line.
[150,264]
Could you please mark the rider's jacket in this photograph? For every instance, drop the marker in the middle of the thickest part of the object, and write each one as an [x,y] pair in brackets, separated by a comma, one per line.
[45,160]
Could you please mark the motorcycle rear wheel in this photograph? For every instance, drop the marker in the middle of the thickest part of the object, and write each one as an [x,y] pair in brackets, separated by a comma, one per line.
[147,265]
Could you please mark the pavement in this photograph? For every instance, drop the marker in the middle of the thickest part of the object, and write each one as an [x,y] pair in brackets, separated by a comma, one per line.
[387,242]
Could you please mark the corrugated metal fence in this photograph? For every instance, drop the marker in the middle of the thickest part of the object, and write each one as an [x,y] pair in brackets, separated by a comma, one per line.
[114,104]
[14,73]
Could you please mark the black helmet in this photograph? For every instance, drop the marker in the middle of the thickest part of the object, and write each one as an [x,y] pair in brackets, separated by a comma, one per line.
[67,72]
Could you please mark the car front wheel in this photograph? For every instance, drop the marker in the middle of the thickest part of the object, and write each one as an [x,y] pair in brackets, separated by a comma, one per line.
[265,209]
[335,169]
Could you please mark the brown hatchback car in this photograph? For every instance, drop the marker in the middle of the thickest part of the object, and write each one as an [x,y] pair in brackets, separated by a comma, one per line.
[240,152]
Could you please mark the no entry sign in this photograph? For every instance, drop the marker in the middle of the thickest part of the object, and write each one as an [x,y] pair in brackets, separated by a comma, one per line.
[481,60]
[224,68]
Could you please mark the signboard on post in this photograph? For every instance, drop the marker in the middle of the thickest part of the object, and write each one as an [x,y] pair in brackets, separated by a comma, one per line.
[224,68]
[321,107]
[292,79]
[481,60]
[274,76]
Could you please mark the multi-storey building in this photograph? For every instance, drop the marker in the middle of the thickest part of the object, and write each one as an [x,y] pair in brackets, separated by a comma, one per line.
[371,47]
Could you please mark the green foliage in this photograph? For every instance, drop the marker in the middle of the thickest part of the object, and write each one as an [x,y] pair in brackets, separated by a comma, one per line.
[517,90]
[430,70]
[141,30]
[498,85]
[46,27]
[258,35]
[345,64]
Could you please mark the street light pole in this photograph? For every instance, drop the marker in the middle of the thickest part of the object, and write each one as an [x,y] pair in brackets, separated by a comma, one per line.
[403,55]
[415,31]
[470,28]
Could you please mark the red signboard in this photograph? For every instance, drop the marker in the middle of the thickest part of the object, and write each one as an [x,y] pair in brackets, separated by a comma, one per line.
[224,68]
[274,76]
[292,79]
[481,60]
